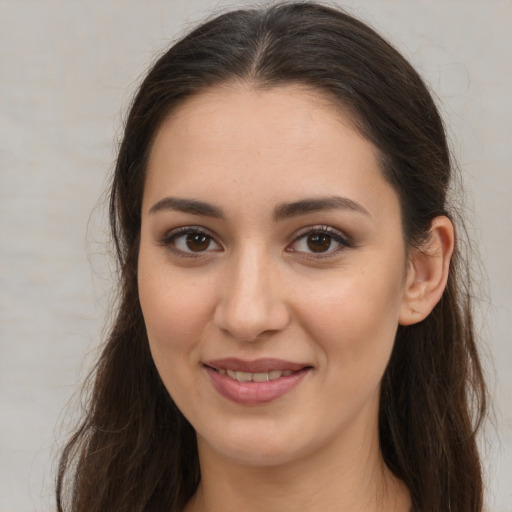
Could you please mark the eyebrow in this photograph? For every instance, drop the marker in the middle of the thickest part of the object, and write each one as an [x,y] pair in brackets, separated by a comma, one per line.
[316,204]
[192,206]
[281,212]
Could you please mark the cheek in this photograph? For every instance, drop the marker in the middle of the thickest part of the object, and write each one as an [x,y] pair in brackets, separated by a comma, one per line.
[165,316]
[173,301]
[176,312]
[354,319]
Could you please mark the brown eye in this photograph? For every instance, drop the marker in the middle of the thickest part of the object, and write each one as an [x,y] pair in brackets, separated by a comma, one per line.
[322,241]
[319,242]
[198,242]
[190,241]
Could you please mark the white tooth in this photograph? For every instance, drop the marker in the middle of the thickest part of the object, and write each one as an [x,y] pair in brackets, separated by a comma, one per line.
[231,374]
[274,374]
[287,373]
[243,376]
[222,371]
[260,377]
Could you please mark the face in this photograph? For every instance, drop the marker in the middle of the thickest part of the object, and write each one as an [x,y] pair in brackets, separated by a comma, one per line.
[271,273]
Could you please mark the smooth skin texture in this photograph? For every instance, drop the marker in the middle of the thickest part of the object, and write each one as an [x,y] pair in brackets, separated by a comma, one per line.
[242,256]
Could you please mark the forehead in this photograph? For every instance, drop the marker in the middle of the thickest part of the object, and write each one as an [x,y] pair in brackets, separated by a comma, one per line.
[283,141]
[239,115]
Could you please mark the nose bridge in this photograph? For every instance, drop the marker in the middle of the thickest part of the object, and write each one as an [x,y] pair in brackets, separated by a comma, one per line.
[250,302]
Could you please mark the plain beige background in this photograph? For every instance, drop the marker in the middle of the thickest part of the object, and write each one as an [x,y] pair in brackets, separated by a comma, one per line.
[67,69]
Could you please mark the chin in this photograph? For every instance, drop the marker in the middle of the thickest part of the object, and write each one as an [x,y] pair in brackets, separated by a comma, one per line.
[257,456]
[257,446]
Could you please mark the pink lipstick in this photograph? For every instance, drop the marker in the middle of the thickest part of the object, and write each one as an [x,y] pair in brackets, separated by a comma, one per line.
[255,382]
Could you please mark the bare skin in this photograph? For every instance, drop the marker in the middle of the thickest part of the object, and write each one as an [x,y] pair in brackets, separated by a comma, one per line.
[364,485]
[245,255]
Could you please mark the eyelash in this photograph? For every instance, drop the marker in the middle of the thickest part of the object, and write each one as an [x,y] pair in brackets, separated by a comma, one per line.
[334,235]
[169,241]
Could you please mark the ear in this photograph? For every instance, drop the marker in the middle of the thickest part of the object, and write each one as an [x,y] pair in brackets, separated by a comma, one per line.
[427,272]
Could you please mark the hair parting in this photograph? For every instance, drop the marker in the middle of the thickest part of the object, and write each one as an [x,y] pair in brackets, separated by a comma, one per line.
[134,450]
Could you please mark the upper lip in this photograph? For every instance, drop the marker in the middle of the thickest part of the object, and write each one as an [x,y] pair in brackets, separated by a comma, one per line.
[256,366]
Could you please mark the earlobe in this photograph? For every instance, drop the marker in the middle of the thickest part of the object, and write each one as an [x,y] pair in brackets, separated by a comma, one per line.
[427,272]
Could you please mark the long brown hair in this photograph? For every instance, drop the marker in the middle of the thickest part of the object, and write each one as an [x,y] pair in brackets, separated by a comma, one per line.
[134,450]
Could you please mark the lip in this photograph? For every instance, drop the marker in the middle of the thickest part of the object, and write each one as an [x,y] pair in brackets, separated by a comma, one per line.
[255,393]
[258,365]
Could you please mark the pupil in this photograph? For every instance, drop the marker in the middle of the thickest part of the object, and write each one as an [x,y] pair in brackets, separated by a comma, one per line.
[319,242]
[198,242]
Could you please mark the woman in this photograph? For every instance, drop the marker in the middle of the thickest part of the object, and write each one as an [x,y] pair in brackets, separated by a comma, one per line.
[294,329]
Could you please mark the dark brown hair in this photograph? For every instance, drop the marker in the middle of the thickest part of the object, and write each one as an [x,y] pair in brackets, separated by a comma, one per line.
[134,451]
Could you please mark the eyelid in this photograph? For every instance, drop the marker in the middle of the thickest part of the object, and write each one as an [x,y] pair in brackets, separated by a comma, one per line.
[337,235]
[167,241]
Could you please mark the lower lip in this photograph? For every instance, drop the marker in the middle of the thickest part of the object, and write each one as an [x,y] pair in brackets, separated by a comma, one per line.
[254,393]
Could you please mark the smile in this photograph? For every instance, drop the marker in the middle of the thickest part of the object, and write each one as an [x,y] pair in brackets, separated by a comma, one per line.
[255,377]
[255,382]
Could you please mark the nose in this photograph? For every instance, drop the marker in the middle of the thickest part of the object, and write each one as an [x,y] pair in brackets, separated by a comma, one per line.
[251,301]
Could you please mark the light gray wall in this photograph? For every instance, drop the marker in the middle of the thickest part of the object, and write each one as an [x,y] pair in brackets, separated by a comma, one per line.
[67,69]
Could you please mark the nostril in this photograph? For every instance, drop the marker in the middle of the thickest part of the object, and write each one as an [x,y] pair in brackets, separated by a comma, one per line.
[251,322]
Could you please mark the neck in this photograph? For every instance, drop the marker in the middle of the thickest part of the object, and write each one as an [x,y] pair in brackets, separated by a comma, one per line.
[338,479]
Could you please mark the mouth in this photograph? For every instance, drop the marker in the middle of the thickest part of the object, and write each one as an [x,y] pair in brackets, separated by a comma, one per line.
[254,377]
[255,382]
